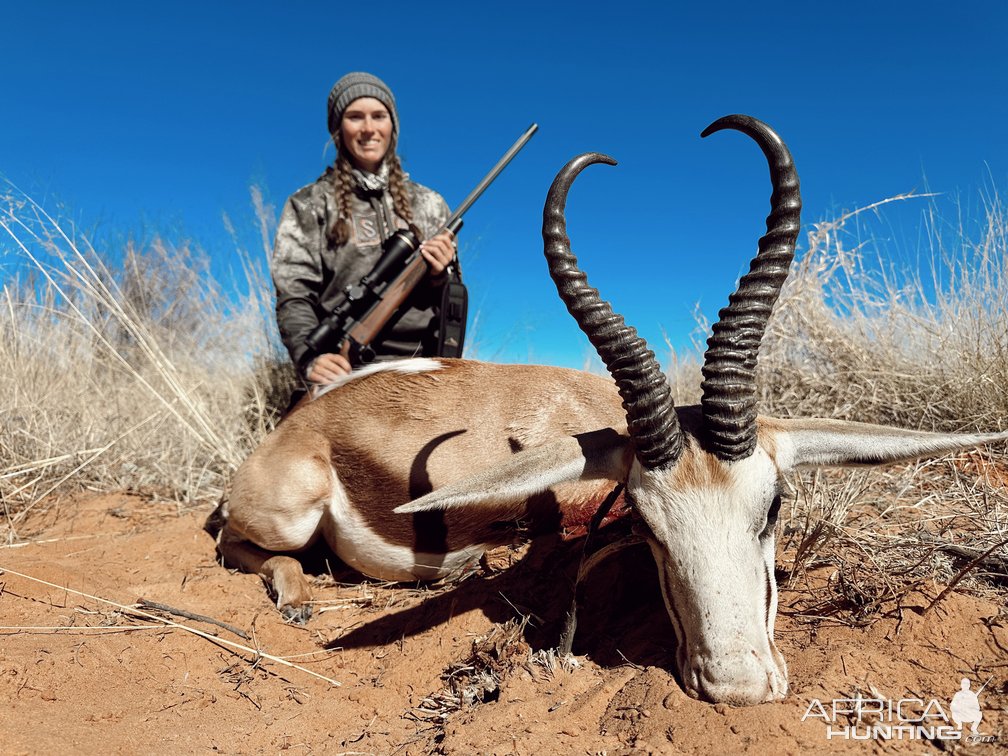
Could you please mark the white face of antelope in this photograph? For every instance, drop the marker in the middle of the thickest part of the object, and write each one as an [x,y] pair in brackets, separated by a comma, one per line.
[711,527]
[712,536]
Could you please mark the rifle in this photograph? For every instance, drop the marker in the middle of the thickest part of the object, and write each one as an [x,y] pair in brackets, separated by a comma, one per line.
[365,307]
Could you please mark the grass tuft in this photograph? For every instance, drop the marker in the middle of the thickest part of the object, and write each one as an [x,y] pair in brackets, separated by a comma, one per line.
[126,369]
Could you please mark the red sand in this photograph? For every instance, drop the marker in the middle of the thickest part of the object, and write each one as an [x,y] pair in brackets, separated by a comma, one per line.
[164,690]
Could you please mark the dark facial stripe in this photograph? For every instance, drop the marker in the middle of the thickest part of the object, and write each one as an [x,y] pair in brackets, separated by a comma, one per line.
[769,593]
[677,624]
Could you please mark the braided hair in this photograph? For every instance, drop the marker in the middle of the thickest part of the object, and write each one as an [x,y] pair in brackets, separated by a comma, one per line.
[339,175]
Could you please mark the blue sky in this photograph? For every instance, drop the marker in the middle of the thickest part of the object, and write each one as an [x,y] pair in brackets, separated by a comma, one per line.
[139,119]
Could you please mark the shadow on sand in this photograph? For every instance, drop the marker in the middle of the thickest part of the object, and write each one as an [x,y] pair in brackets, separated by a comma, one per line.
[621,615]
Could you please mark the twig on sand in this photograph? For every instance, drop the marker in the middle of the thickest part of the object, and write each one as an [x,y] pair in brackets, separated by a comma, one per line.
[155,606]
[96,629]
[962,573]
[235,648]
[22,544]
[997,563]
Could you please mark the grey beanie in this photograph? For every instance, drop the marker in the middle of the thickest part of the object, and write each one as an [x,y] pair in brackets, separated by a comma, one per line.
[354,86]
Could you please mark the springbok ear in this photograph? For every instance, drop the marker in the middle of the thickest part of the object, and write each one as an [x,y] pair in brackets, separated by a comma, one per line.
[829,443]
[603,454]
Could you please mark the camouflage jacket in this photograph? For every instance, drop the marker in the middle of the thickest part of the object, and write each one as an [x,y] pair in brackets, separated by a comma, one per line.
[309,274]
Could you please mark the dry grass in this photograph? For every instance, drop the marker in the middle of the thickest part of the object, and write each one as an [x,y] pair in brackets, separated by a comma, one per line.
[854,337]
[477,679]
[922,345]
[134,369]
[125,370]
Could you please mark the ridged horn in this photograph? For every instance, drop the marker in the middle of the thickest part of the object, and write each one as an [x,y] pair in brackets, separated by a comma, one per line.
[729,385]
[647,399]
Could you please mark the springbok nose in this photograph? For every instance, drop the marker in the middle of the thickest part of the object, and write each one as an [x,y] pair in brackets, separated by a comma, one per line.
[739,679]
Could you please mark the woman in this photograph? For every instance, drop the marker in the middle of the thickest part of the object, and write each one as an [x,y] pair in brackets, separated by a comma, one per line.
[331,233]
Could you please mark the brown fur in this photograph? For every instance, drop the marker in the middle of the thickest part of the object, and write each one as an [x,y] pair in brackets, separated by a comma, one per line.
[699,469]
[767,429]
[426,434]
[392,437]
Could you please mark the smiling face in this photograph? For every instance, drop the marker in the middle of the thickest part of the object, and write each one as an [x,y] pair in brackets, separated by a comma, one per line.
[366,133]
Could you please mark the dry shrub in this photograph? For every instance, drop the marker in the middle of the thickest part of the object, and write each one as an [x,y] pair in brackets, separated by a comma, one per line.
[126,368]
[919,345]
[855,337]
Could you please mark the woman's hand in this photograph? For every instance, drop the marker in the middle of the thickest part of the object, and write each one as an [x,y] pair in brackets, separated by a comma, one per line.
[438,251]
[326,368]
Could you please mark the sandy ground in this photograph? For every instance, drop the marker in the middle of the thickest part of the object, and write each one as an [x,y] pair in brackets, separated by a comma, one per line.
[80,675]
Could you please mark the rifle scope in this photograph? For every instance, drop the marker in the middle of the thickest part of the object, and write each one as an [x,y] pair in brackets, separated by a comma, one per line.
[397,251]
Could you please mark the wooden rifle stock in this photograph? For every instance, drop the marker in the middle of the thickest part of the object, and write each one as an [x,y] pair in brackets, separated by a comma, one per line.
[362,332]
[367,328]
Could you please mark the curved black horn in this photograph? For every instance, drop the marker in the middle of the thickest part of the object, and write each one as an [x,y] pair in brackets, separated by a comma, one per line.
[729,385]
[647,399]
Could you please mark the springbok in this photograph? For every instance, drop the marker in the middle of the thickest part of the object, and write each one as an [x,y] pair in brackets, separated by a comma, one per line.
[410,470]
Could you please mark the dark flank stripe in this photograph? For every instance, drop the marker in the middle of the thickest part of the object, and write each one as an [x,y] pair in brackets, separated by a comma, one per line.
[431,533]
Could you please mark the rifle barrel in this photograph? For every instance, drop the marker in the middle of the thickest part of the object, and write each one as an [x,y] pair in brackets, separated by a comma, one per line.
[494,172]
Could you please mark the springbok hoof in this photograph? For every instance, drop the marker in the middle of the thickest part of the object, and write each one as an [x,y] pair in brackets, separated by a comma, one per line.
[298,615]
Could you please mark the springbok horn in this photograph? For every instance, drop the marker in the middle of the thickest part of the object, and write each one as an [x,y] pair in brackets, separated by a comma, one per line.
[647,399]
[729,385]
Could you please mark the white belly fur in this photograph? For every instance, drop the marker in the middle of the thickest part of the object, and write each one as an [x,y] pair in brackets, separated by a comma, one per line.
[349,536]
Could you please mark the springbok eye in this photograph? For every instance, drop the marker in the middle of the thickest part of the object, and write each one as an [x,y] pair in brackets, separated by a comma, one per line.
[771,516]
